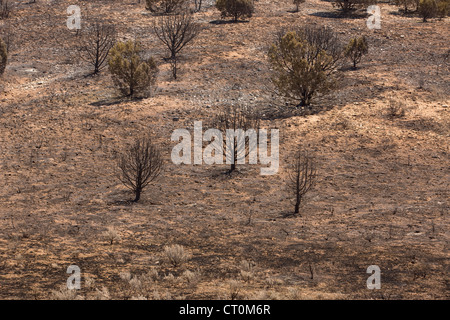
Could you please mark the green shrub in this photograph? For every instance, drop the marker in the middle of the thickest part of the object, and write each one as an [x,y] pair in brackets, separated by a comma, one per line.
[350,5]
[428,9]
[164,6]
[408,5]
[443,8]
[356,48]
[235,8]
[131,72]
[304,63]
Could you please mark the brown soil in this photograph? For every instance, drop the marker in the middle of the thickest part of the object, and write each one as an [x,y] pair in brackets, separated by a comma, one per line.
[381,197]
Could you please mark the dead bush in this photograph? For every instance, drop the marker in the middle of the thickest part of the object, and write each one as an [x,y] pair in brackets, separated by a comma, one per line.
[241,137]
[95,43]
[3,56]
[139,165]
[303,175]
[176,32]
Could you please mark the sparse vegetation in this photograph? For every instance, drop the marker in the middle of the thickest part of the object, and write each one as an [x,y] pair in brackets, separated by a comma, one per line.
[395,109]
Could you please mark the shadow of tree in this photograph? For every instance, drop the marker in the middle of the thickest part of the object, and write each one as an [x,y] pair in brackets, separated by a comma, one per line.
[340,15]
[228,21]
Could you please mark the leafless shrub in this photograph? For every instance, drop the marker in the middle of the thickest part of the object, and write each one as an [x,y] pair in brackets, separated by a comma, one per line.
[95,43]
[235,118]
[198,5]
[138,297]
[139,165]
[175,32]
[176,254]
[125,276]
[169,278]
[3,56]
[303,176]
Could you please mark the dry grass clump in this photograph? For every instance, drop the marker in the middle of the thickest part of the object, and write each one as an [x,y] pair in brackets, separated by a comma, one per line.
[176,254]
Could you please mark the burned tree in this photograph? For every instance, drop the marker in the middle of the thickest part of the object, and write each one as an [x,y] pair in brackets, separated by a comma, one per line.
[96,42]
[303,175]
[139,165]
[239,127]
[175,32]
[3,56]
